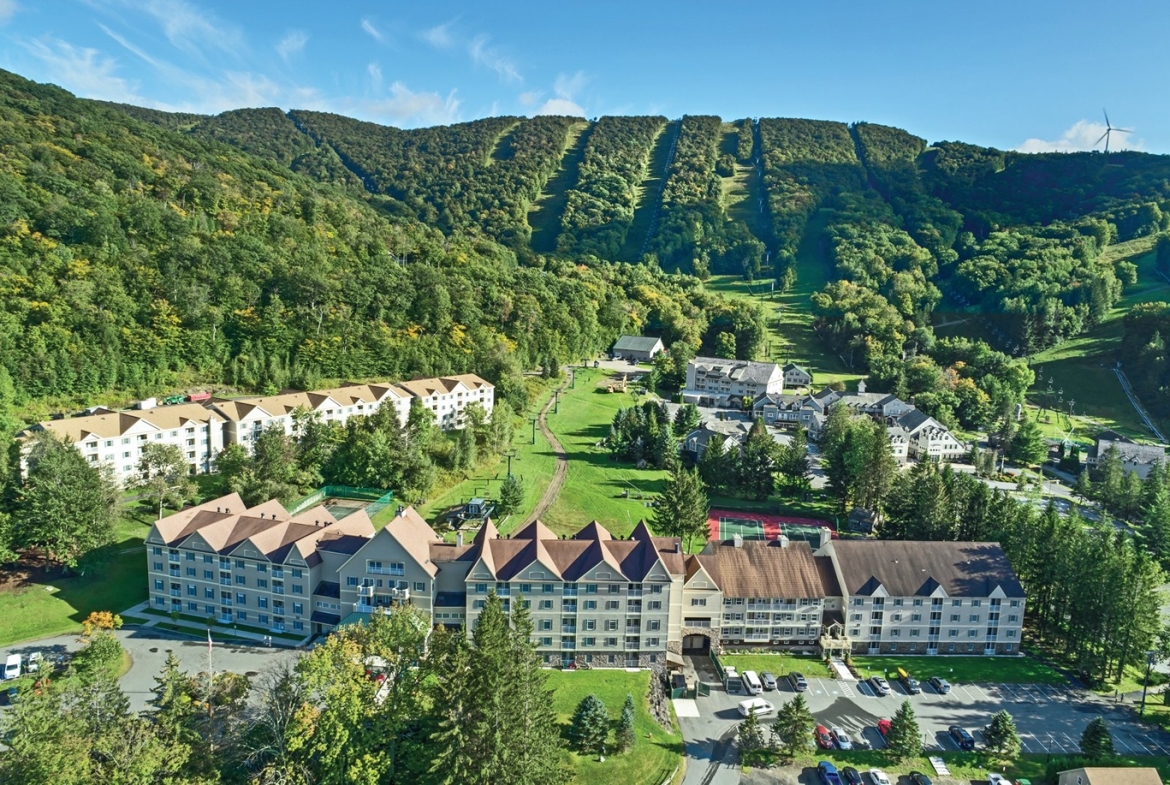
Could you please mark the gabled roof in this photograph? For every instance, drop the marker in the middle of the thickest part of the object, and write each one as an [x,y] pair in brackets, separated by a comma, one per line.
[759,568]
[108,424]
[912,568]
[915,420]
[637,343]
[737,370]
[412,532]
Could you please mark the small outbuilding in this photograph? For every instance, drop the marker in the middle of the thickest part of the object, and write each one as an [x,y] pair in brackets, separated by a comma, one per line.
[637,347]
[1110,775]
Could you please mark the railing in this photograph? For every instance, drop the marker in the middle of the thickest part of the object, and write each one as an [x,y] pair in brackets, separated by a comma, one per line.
[225,619]
[224,601]
[378,498]
[174,557]
[365,591]
[400,594]
[176,593]
[385,571]
[174,572]
[278,590]
[225,581]
[277,572]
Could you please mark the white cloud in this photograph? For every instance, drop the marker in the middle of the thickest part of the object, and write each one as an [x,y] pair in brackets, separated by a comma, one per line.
[375,72]
[84,71]
[439,36]
[1082,136]
[191,29]
[491,58]
[7,9]
[292,44]
[374,32]
[561,106]
[406,107]
[569,86]
[529,97]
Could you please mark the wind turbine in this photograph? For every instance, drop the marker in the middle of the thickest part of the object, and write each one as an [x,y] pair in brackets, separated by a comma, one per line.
[1109,129]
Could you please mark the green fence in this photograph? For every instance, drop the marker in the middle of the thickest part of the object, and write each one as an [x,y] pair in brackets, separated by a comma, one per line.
[378,498]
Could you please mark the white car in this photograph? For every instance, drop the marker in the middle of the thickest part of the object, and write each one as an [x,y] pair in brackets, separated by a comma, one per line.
[878,777]
[842,738]
[880,685]
[997,779]
[757,706]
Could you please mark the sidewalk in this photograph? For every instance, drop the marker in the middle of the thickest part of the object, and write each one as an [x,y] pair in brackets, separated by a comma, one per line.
[219,632]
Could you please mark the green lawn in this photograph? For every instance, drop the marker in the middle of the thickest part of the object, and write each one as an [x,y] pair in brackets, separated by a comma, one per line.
[777,664]
[655,754]
[594,485]
[974,766]
[960,670]
[57,607]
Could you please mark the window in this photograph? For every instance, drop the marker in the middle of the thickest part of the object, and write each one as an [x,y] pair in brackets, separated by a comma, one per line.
[262,602]
[546,624]
[1015,603]
[654,625]
[698,602]
[298,625]
[975,603]
[611,605]
[481,588]
[611,625]
[546,588]
[191,572]
[591,588]
[546,605]
[351,580]
[954,617]
[858,602]
[418,586]
[615,588]
[193,607]
[263,618]
[526,588]
[157,566]
[296,571]
[242,615]
[261,583]
[954,633]
[242,580]
[208,594]
[241,564]
[1011,633]
[298,588]
[611,643]
[656,588]
[478,604]
[974,618]
[298,608]
[652,642]
[189,556]
[207,558]
[898,602]
[654,605]
[895,633]
[1012,618]
[589,641]
[192,591]
[158,585]
[917,603]
[589,625]
[546,641]
[261,568]
[914,633]
[972,633]
[957,603]
[590,605]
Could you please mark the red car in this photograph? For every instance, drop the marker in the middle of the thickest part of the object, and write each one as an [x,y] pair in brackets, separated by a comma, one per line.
[824,738]
[884,727]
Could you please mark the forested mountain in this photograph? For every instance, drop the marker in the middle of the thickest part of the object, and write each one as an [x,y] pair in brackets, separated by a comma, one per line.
[137,256]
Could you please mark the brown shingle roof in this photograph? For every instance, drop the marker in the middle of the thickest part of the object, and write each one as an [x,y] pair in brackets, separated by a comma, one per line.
[1113,775]
[106,424]
[908,568]
[767,569]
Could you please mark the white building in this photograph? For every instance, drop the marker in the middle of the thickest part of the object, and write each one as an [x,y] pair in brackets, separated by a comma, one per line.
[714,381]
[449,396]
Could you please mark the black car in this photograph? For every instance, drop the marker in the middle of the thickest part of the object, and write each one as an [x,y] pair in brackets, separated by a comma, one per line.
[964,739]
[918,778]
[797,681]
[851,776]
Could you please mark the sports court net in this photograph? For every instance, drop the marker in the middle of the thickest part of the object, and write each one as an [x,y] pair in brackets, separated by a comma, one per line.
[725,524]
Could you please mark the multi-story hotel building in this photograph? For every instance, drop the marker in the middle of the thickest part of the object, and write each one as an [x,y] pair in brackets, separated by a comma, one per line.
[594,599]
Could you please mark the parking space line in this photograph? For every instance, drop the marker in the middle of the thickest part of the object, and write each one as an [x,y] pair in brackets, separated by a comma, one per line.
[847,691]
[1073,745]
[1157,746]
[963,689]
[1005,690]
[1054,743]
[1119,740]
[1024,738]
[979,693]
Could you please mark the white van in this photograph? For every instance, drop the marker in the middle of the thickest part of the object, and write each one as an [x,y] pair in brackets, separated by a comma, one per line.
[757,706]
[751,683]
[12,667]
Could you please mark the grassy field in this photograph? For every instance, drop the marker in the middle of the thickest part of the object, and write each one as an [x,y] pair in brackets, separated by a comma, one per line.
[973,766]
[777,664]
[544,215]
[649,193]
[655,754]
[960,670]
[57,607]
[594,485]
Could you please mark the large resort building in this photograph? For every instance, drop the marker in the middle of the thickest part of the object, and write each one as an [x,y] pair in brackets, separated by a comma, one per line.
[594,598]
[202,429]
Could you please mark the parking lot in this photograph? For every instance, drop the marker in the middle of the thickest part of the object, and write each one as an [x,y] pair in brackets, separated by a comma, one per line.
[1050,719]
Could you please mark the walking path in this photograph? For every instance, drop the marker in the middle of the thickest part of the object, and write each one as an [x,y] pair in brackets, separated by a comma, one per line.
[562,468]
[1137,405]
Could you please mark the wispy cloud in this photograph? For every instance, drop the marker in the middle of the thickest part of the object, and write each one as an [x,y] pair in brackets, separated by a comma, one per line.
[374,32]
[565,88]
[439,36]
[84,71]
[292,44]
[190,28]
[1081,136]
[406,107]
[375,72]
[491,58]
[529,97]
[7,9]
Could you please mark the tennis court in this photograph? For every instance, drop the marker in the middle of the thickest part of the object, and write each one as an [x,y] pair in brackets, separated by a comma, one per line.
[725,524]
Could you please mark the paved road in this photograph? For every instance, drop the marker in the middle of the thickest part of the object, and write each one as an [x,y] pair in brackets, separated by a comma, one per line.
[148,649]
[1050,719]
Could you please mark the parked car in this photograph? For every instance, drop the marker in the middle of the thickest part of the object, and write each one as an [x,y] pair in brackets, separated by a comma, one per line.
[883,727]
[12,667]
[756,706]
[878,777]
[33,663]
[880,685]
[828,773]
[851,776]
[941,686]
[909,682]
[797,681]
[842,739]
[964,739]
[824,738]
[997,779]
[918,778]
[769,680]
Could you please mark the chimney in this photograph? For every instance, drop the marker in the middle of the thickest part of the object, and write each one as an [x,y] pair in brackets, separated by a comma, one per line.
[861,386]
[217,509]
[399,511]
[826,536]
[783,541]
[737,541]
[458,539]
[678,546]
[261,516]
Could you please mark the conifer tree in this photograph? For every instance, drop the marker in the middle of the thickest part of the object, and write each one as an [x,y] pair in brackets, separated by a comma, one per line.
[904,739]
[757,466]
[717,465]
[1096,743]
[1000,736]
[589,728]
[1028,446]
[681,510]
[794,726]
[511,495]
[793,461]
[625,736]
[751,740]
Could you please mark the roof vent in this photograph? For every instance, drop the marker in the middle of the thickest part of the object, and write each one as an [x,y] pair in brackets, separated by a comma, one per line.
[217,509]
[399,511]
[458,539]
[261,516]
[737,541]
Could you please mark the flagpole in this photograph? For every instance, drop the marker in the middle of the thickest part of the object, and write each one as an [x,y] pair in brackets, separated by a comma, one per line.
[210,676]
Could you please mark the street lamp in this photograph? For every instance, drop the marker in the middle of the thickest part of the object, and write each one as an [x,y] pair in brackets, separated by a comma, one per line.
[1151,658]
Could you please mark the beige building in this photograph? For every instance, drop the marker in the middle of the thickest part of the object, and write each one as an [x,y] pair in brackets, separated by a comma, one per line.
[594,599]
[714,381]
[1110,775]
[449,396]
[115,438]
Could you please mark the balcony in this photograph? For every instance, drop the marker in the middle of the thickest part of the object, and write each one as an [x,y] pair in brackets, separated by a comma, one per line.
[225,581]
[174,572]
[277,572]
[402,594]
[633,607]
[634,593]
[568,630]
[383,571]
[365,591]
[278,590]
[225,564]
[224,601]
[276,628]
[224,618]
[173,557]
[176,593]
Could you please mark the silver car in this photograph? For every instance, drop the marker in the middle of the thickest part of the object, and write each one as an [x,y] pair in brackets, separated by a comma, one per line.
[880,685]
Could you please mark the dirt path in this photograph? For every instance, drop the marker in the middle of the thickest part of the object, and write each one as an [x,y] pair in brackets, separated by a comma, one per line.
[562,468]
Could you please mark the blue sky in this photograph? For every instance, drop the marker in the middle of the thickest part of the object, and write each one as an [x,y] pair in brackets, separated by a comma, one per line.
[1022,74]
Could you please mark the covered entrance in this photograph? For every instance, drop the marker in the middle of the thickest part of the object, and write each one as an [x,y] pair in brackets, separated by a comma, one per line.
[696,644]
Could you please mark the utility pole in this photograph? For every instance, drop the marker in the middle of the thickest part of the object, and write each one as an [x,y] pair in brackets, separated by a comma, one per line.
[510,454]
[1151,656]
[557,401]
[533,421]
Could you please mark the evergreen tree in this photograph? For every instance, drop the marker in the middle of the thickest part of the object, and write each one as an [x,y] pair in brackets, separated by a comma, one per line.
[1096,743]
[904,739]
[624,736]
[681,509]
[757,465]
[1028,446]
[795,726]
[1130,502]
[752,745]
[1084,485]
[793,463]
[511,495]
[589,728]
[686,419]
[1000,736]
[1110,478]
[717,465]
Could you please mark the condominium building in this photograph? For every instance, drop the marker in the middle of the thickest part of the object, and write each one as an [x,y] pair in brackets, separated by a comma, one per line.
[116,438]
[594,599]
[713,381]
[449,396]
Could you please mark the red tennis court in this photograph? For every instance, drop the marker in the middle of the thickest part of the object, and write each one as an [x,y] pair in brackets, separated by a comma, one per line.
[725,524]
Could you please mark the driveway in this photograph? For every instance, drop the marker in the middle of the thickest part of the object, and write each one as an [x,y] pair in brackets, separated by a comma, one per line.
[148,649]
